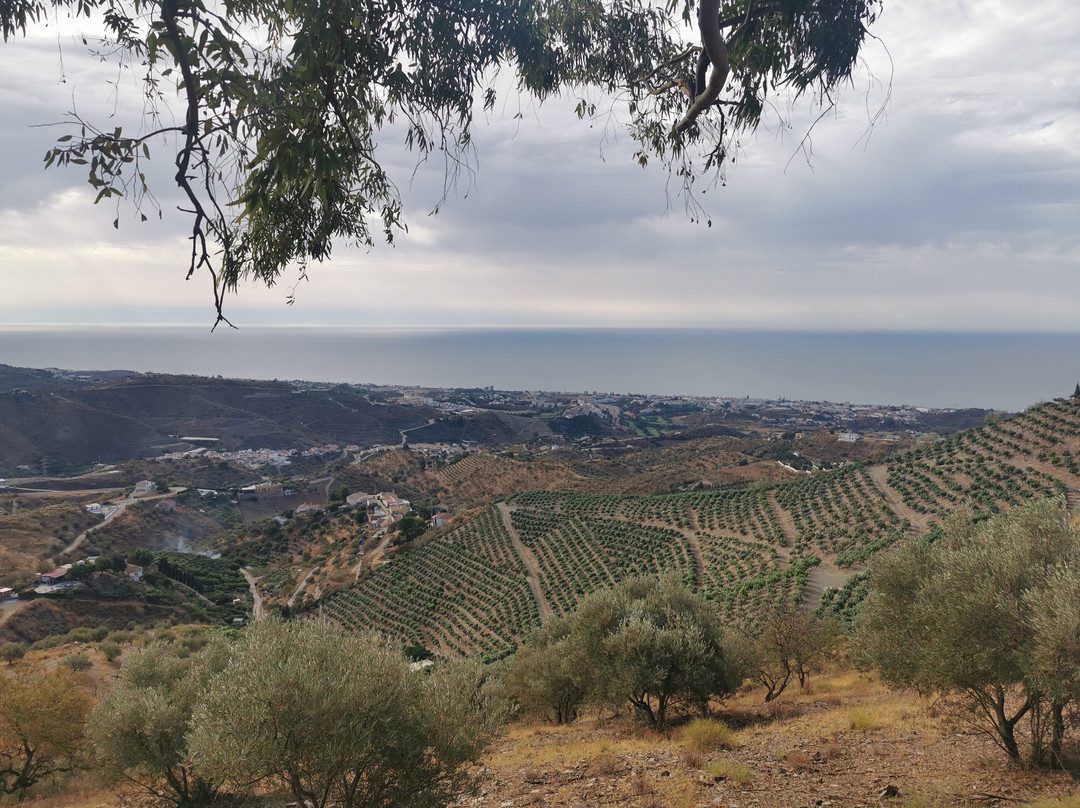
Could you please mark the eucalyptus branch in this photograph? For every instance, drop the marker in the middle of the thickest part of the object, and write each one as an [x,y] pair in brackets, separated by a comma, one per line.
[716,49]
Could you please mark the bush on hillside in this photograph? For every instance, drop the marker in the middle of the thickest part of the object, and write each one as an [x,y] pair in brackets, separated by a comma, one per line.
[140,728]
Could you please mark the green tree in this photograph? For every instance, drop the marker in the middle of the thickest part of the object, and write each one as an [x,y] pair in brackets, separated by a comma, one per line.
[140,727]
[981,615]
[543,677]
[651,642]
[408,528]
[340,719]
[283,105]
[41,722]
[10,652]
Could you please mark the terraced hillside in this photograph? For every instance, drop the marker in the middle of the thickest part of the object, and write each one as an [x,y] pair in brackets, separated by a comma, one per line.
[482,587]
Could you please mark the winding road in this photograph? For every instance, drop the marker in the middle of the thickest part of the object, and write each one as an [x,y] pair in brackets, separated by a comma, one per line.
[117,509]
[404,438]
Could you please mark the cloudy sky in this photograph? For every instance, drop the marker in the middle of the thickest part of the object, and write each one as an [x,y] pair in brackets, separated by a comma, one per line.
[960,210]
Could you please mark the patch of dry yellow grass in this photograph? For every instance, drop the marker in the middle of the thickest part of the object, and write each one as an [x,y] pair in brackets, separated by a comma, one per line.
[545,745]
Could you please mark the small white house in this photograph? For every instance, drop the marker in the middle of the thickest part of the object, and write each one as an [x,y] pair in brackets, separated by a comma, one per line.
[94,507]
[134,572]
[143,486]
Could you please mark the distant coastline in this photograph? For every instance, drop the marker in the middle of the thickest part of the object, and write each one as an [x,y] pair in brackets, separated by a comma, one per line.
[1005,371]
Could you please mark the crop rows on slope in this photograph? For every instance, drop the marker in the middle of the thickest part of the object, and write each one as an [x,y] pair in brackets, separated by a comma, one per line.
[577,554]
[972,467]
[745,514]
[463,593]
[461,468]
[577,550]
[842,513]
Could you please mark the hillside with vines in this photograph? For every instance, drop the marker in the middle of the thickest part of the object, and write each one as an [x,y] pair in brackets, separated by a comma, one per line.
[482,587]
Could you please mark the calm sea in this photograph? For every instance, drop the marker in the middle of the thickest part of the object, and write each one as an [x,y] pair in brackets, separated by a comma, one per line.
[1001,371]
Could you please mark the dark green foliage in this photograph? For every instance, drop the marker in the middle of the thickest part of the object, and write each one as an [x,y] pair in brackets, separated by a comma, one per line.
[220,580]
[408,528]
[647,641]
[967,616]
[277,142]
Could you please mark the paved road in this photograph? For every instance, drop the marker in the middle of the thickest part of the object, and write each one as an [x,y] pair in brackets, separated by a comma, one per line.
[256,598]
[404,438]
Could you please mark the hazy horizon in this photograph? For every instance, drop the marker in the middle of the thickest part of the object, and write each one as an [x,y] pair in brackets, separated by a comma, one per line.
[1003,371]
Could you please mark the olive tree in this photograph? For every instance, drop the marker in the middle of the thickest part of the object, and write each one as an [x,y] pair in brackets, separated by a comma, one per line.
[785,644]
[11,652]
[340,719]
[273,113]
[140,728]
[647,641]
[983,615]
[41,725]
[543,678]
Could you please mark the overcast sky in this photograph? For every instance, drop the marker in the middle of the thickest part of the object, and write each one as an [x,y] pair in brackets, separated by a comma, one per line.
[959,211]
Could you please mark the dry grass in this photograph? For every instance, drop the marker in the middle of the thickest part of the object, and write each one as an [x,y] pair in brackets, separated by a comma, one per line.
[1066,802]
[731,770]
[708,735]
[863,720]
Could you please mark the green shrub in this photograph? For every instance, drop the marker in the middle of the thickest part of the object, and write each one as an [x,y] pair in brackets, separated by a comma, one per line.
[52,641]
[78,662]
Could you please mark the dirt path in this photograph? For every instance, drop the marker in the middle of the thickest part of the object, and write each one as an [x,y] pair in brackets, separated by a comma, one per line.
[9,607]
[256,598]
[699,558]
[300,587]
[879,475]
[529,560]
[404,435]
[118,509]
[824,576]
[787,523]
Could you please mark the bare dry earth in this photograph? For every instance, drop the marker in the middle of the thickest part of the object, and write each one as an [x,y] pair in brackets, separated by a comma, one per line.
[840,745]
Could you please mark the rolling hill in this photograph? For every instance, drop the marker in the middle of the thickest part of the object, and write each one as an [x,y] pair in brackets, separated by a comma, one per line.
[480,588]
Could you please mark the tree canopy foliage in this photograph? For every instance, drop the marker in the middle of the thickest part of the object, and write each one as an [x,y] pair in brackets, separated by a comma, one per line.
[140,728]
[41,723]
[647,641]
[988,615]
[283,105]
[340,719]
